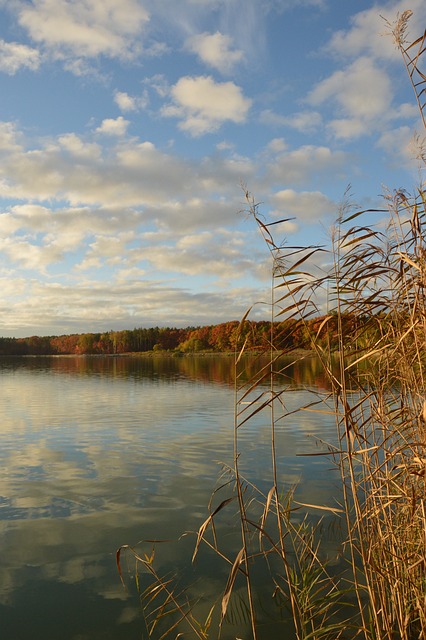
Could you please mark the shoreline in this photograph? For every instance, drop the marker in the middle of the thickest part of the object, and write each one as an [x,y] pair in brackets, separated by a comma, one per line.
[299,353]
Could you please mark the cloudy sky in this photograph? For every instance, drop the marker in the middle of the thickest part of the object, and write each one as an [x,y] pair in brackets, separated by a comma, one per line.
[127,128]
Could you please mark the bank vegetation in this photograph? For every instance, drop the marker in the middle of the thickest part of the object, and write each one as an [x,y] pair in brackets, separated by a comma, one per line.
[287,335]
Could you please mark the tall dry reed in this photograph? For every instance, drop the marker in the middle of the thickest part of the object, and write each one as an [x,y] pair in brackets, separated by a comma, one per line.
[376,276]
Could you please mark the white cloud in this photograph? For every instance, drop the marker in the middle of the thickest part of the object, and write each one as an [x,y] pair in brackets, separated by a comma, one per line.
[113,127]
[405,110]
[277,145]
[29,255]
[134,221]
[399,143]
[85,29]
[15,56]
[225,146]
[94,305]
[364,36]
[283,229]
[9,138]
[360,98]
[126,172]
[215,50]
[221,254]
[202,105]
[348,128]
[368,33]
[159,84]
[297,166]
[105,249]
[125,102]
[306,205]
[362,89]
[81,67]
[62,230]
[78,147]
[286,5]
[303,121]
[362,93]
[188,215]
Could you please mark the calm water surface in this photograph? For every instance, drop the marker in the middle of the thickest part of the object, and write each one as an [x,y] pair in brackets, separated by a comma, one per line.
[100,452]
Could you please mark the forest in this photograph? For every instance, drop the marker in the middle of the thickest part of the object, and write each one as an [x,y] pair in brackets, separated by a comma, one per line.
[225,337]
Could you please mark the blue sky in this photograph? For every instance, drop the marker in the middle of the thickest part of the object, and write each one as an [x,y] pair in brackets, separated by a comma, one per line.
[128,126]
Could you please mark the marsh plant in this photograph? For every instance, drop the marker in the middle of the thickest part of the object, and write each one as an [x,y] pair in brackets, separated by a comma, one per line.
[374,275]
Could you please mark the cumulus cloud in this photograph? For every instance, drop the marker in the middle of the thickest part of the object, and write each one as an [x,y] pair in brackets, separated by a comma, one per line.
[220,254]
[91,304]
[215,50]
[360,89]
[78,147]
[285,5]
[300,165]
[399,143]
[125,102]
[113,127]
[127,172]
[85,29]
[29,255]
[276,145]
[94,208]
[10,138]
[303,121]
[361,96]
[188,215]
[15,56]
[303,205]
[159,84]
[368,33]
[58,231]
[36,236]
[362,93]
[203,105]
[107,249]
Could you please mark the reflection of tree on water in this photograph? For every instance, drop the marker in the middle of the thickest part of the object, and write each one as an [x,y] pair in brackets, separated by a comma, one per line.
[308,372]
[219,368]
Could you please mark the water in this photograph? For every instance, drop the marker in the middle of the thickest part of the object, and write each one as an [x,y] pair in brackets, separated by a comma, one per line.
[100,452]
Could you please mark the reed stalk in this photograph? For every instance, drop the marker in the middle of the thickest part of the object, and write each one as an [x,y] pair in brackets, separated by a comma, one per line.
[374,360]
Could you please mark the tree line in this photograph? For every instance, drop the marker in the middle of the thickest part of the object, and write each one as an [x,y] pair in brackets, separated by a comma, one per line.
[224,337]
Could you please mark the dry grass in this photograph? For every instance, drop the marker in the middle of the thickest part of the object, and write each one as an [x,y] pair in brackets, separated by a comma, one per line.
[411,52]
[378,398]
[378,276]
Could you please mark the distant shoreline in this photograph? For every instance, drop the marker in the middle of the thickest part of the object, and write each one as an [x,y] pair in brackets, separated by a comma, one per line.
[300,353]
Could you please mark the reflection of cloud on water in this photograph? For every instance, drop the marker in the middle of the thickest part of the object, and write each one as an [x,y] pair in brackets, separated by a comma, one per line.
[81,548]
[60,610]
[102,462]
[299,436]
[63,467]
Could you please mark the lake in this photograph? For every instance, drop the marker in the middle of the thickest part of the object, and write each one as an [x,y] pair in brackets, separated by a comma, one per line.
[97,452]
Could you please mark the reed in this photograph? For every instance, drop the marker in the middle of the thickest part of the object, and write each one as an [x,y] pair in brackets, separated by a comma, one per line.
[376,274]
[378,277]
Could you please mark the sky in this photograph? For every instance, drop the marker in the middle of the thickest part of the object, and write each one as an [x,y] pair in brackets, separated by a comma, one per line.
[129,130]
